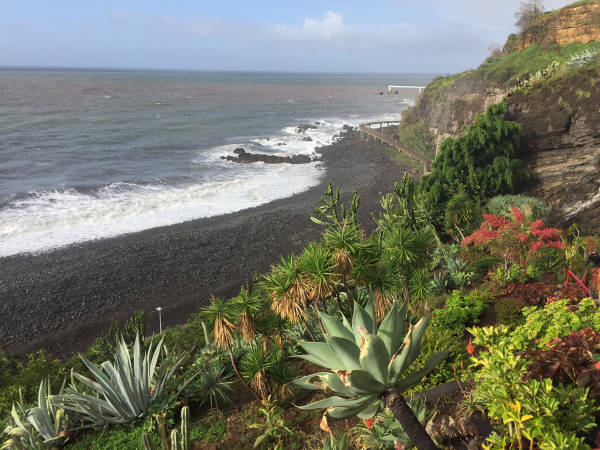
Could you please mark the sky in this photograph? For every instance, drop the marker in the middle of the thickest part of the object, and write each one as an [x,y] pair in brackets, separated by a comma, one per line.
[386,36]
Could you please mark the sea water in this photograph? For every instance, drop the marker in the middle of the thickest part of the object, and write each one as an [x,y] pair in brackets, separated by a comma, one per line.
[93,154]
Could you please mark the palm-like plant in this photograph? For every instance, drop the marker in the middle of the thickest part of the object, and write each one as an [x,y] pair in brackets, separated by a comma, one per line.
[219,313]
[124,389]
[255,367]
[369,366]
[246,305]
[287,291]
[419,285]
[318,270]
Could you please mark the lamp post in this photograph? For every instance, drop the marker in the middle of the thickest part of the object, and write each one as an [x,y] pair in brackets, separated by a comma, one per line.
[159,309]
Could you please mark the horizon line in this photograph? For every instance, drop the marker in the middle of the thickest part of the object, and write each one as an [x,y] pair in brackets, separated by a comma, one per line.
[241,71]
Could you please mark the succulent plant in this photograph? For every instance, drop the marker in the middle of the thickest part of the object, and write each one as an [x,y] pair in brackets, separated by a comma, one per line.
[179,440]
[125,389]
[49,421]
[370,366]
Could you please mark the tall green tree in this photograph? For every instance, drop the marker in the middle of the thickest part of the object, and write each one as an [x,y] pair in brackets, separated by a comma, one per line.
[481,163]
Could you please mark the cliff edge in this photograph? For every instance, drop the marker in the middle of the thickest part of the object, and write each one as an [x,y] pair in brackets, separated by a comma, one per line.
[550,78]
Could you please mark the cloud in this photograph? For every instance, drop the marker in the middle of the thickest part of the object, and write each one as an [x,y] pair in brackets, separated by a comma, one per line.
[329,27]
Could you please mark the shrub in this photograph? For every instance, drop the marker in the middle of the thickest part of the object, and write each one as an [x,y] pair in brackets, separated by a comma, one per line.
[437,339]
[479,163]
[567,360]
[508,310]
[460,311]
[531,207]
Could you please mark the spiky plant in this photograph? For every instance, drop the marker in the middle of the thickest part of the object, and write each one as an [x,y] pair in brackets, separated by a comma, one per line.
[219,313]
[124,389]
[246,305]
[370,366]
[255,367]
[287,291]
[49,421]
[212,385]
[419,284]
[20,433]
[343,242]
[318,269]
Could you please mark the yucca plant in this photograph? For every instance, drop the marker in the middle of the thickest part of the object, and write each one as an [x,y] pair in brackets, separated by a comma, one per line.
[246,305]
[19,433]
[255,367]
[287,291]
[370,366]
[220,313]
[123,389]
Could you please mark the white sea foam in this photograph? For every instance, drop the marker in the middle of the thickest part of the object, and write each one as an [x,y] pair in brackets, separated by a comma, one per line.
[52,219]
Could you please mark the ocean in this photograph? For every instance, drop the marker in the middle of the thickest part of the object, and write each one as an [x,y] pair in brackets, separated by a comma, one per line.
[89,155]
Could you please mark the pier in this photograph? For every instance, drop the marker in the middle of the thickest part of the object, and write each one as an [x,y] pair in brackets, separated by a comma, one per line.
[392,88]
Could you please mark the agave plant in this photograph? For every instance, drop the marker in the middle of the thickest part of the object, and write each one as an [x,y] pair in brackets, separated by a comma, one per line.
[19,433]
[50,422]
[124,389]
[370,366]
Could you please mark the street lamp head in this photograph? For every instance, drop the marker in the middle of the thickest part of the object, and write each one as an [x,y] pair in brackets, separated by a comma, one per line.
[159,309]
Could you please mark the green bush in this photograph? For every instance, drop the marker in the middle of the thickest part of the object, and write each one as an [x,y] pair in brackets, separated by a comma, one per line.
[460,311]
[27,377]
[531,207]
[437,339]
[508,311]
[480,163]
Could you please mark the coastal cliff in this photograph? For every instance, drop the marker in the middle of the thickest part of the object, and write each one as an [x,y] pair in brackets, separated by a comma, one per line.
[556,100]
[579,22]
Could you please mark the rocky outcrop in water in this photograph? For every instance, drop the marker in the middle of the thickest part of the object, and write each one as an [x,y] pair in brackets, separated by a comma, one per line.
[243,157]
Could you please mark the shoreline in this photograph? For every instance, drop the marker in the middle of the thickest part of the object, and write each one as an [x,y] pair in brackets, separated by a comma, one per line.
[62,300]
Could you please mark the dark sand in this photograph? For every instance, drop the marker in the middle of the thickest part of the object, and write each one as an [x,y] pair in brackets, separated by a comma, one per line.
[62,300]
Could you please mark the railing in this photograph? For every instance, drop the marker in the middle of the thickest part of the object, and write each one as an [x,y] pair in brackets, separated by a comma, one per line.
[366,131]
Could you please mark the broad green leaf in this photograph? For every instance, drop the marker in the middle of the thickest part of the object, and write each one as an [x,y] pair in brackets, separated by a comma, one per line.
[415,377]
[334,328]
[320,353]
[334,402]
[374,357]
[360,319]
[346,351]
[371,410]
[362,381]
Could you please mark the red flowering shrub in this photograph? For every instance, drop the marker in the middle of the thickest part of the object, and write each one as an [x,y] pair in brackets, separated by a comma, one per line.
[573,359]
[515,240]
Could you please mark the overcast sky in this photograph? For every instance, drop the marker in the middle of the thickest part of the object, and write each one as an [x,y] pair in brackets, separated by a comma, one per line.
[426,36]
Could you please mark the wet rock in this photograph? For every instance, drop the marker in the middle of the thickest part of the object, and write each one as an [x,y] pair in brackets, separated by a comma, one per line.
[303,128]
[243,157]
[307,139]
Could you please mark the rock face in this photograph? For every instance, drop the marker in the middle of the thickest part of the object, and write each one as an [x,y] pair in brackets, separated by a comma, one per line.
[449,109]
[560,145]
[575,23]
[243,157]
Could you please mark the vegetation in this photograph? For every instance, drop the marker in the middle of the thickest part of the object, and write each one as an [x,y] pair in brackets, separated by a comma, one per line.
[385,315]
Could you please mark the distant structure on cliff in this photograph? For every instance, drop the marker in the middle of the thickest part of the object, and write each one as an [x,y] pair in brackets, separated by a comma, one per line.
[394,88]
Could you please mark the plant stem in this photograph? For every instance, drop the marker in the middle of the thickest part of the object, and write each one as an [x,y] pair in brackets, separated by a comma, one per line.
[411,425]
[312,336]
[237,372]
